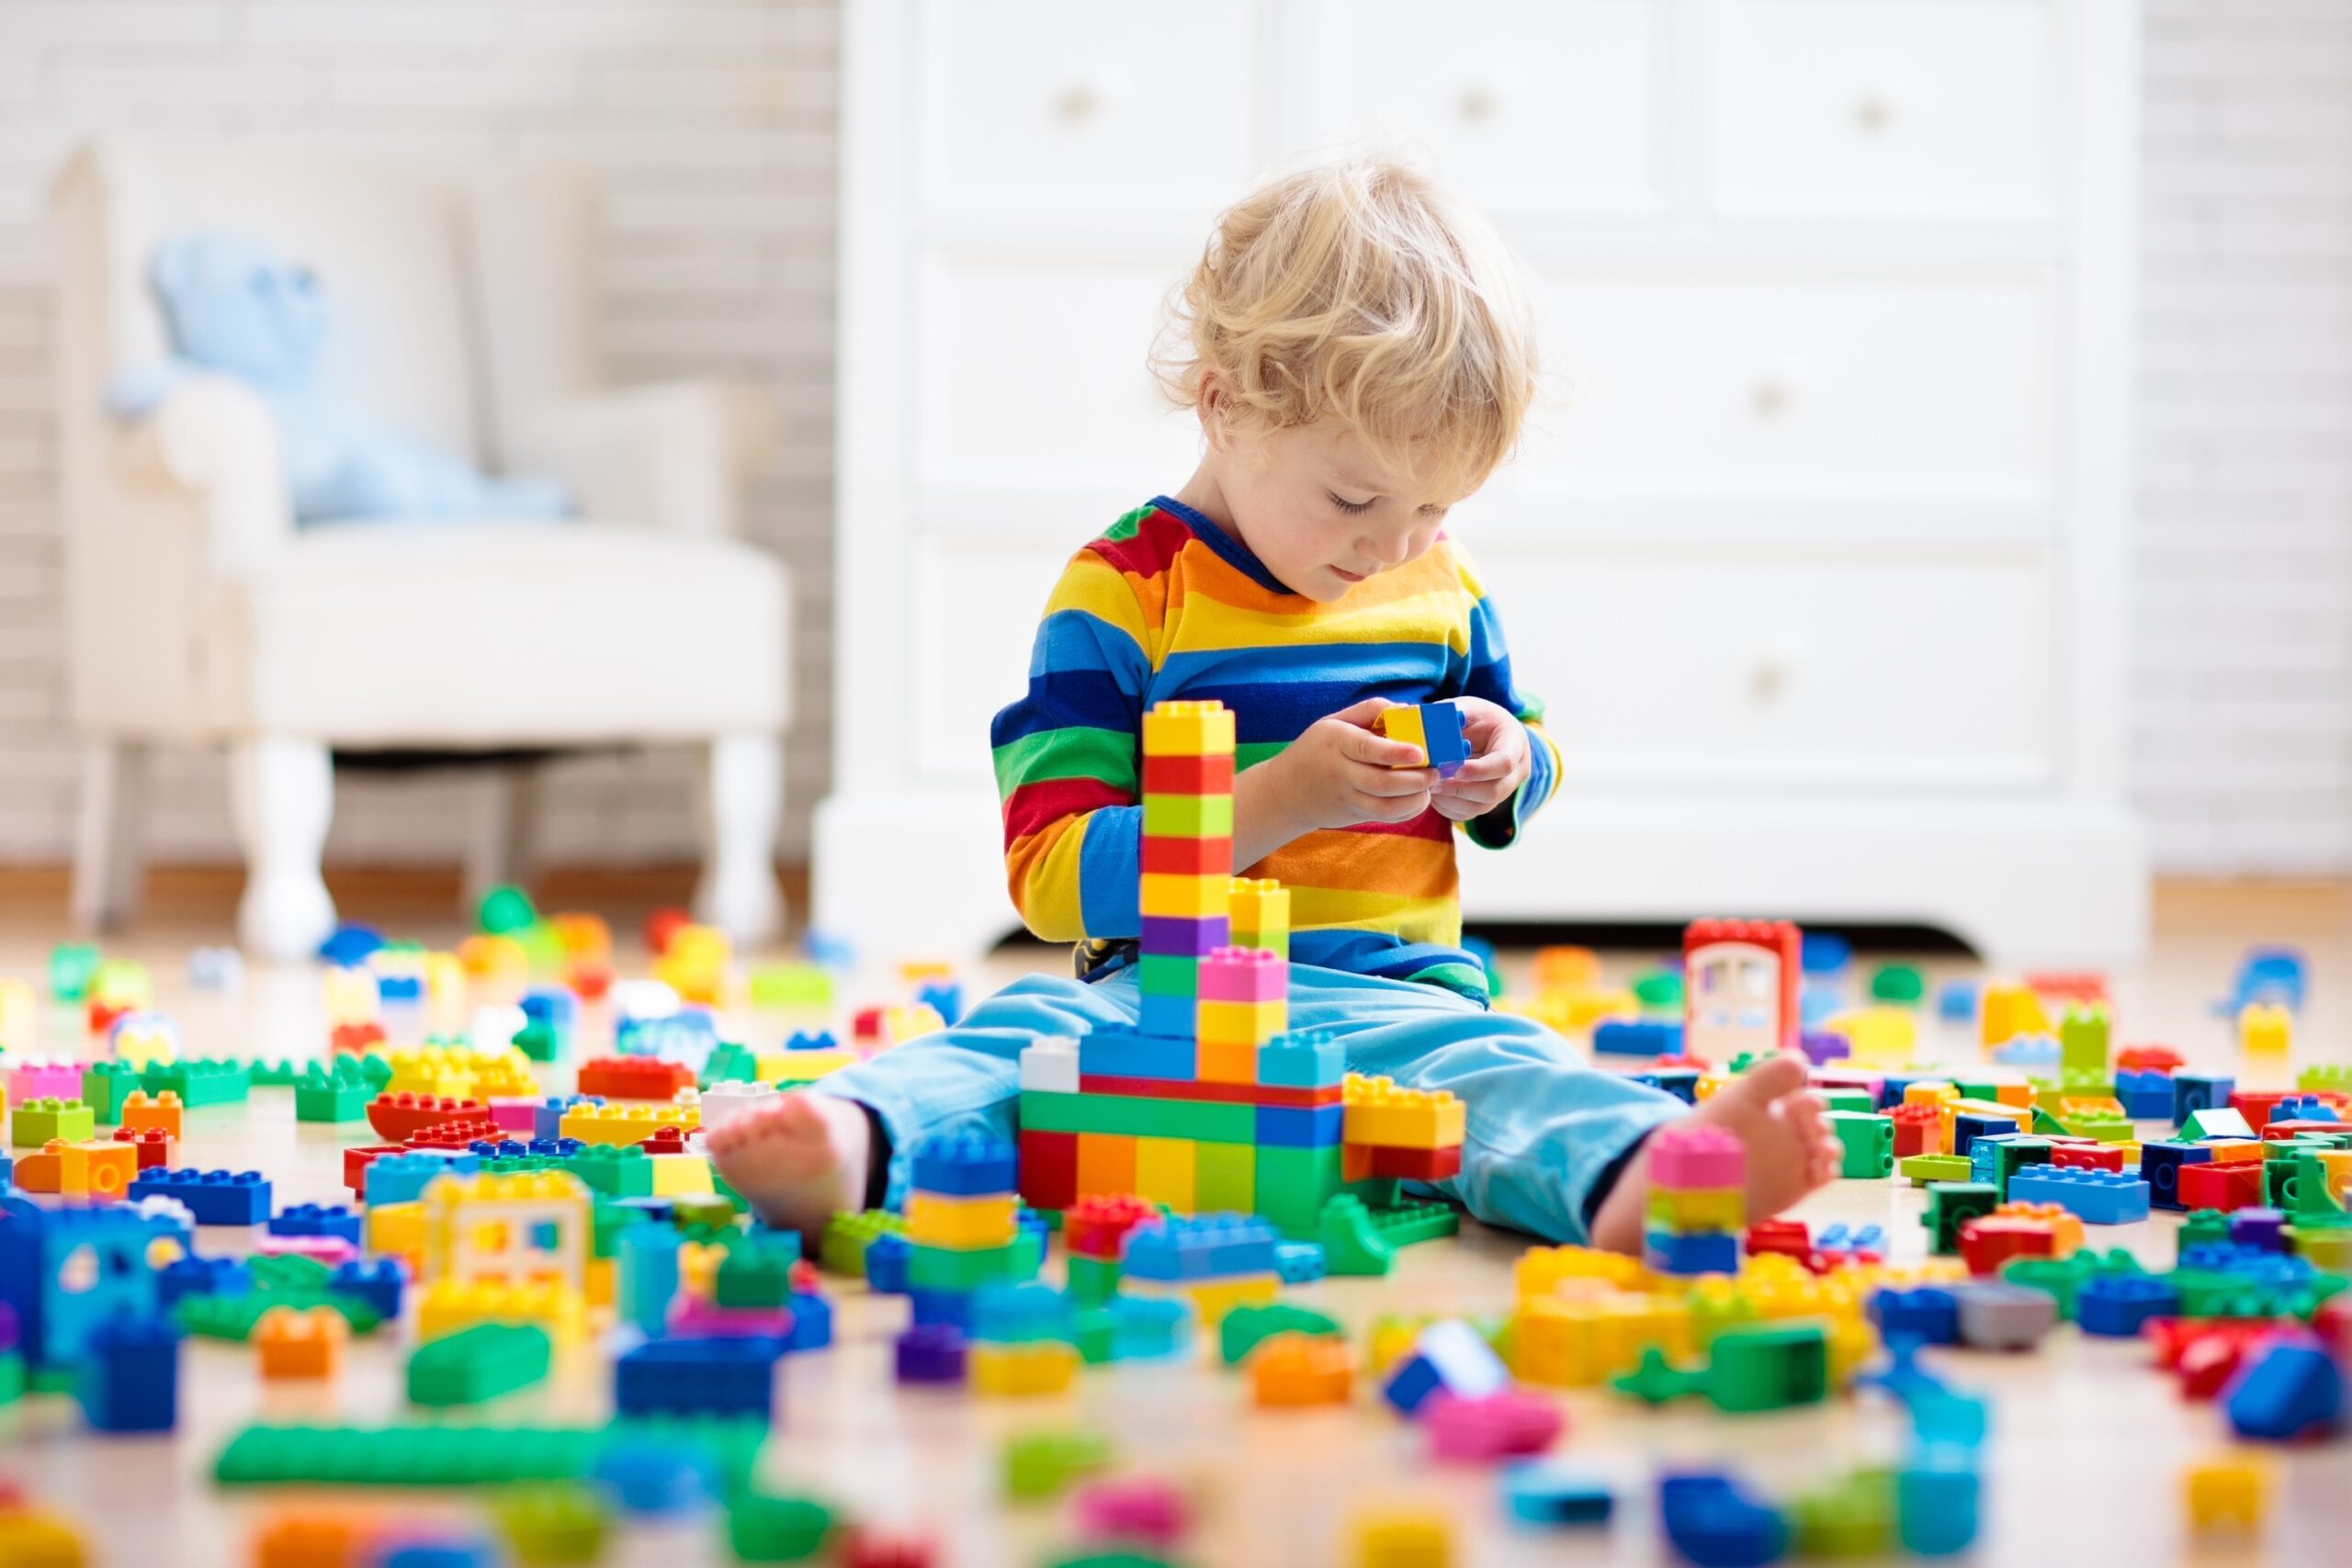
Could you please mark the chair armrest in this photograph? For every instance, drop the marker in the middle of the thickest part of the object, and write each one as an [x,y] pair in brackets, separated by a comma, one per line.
[211,440]
[672,455]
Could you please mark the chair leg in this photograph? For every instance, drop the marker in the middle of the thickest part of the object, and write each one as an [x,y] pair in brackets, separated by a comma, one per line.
[109,861]
[282,793]
[742,802]
[500,850]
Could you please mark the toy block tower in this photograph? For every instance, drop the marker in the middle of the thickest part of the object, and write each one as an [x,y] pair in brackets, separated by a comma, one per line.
[1187,856]
[1698,1202]
[1740,986]
[963,1224]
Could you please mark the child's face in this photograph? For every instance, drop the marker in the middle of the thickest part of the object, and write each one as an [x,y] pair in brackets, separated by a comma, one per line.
[1323,512]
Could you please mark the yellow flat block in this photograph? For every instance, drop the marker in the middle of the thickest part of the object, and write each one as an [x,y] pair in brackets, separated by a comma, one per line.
[1581,1341]
[1243,1023]
[448,1305]
[1933,1093]
[800,1067]
[1404,723]
[1383,1116]
[1165,1172]
[1723,1209]
[1878,1033]
[936,1219]
[1048,1366]
[1165,893]
[619,1124]
[682,1176]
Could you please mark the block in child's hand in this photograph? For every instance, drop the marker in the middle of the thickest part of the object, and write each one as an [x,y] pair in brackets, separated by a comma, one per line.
[1435,727]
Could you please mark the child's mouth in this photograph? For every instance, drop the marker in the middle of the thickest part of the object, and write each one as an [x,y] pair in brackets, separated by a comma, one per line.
[1345,575]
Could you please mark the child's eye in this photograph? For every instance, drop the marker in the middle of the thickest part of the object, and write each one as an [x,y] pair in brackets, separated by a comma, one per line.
[1346,505]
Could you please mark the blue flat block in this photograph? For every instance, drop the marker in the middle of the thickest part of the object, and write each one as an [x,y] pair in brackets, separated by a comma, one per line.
[730,1376]
[2096,1197]
[963,1165]
[553,1005]
[1019,1314]
[131,1382]
[1173,1016]
[1302,1058]
[689,1035]
[1450,1357]
[2145,1096]
[1182,1248]
[1299,1262]
[813,1323]
[556,1148]
[1824,953]
[1713,1524]
[812,1040]
[1144,1328]
[1133,1054]
[1637,1037]
[2304,1108]
[2116,1306]
[1680,1082]
[319,1219]
[2192,1092]
[652,1479]
[379,1281]
[2028,1051]
[400,1178]
[888,1256]
[348,946]
[1702,1252]
[1545,1492]
[1302,1126]
[189,1275]
[214,1197]
[1928,1315]
[2286,1392]
[2160,1163]
[1967,1129]
[943,1309]
[1839,1238]
[1956,1002]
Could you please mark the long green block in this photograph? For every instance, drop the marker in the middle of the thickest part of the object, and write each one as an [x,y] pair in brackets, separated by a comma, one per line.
[1135,1116]
[1225,1178]
[478,1363]
[948,1269]
[470,1456]
[206,1081]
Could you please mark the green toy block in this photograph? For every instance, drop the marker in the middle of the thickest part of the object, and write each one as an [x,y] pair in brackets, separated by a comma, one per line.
[792,986]
[236,1317]
[1133,1116]
[1091,1280]
[617,1171]
[553,1522]
[1659,991]
[1899,983]
[12,1378]
[755,1277]
[1405,1221]
[539,1040]
[1951,1204]
[443,1456]
[1225,1178]
[1921,1169]
[204,1081]
[71,966]
[333,1094]
[2202,1227]
[2321,1075]
[2306,1188]
[1977,1088]
[2085,1083]
[1246,1327]
[1188,816]
[1167,975]
[1658,1380]
[1854,1102]
[2013,1154]
[952,1268]
[2218,1121]
[2083,1041]
[1040,1466]
[1869,1139]
[1294,1184]
[1352,1244]
[478,1363]
[842,1249]
[765,1529]
[505,911]
[105,1086]
[2105,1129]
[284,1073]
[2064,1278]
[1851,1516]
[1769,1366]
[729,1062]
[2046,1125]
[37,1121]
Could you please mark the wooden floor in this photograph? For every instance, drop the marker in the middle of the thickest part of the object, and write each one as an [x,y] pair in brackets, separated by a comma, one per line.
[2089,1440]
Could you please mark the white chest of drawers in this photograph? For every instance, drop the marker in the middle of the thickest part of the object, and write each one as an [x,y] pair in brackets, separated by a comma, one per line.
[1817,553]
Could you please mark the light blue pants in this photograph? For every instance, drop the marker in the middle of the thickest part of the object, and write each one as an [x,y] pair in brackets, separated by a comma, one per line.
[1545,1128]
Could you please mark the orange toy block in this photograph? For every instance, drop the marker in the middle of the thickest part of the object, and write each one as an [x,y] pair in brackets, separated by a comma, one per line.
[41,1172]
[1293,1370]
[1106,1163]
[301,1342]
[1227,1061]
[142,1111]
[96,1172]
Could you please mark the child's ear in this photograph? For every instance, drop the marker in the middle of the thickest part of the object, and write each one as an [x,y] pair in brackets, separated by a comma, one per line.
[1215,404]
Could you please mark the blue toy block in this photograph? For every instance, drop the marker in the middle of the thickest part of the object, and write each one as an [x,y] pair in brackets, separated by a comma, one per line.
[2160,1163]
[2304,1108]
[499,1148]
[555,1005]
[1890,1086]
[130,1378]
[649,1478]
[944,1309]
[1450,1357]
[687,1036]
[812,1040]
[1935,1502]
[963,1165]
[1144,1328]
[401,1179]
[813,1323]
[453,1554]
[1700,1252]
[1302,1126]
[318,1219]
[1824,953]
[2146,1096]
[214,1197]
[1140,1054]
[1680,1082]
[8,1174]
[1637,1037]
[1184,1248]
[1967,1129]
[1169,1017]
[1302,1058]
[1956,1002]
[379,1281]
[1545,1492]
[2285,1391]
[2116,1306]
[1019,1314]
[649,1277]
[887,1260]
[1443,740]
[1299,1262]
[946,996]
[2277,975]
[547,1117]
[189,1275]
[1839,1239]
[2096,1197]
[1818,1003]
[1926,1314]
[2028,1051]
[728,1375]
[112,1276]
[2192,1092]
[348,946]
[556,1148]
[1713,1524]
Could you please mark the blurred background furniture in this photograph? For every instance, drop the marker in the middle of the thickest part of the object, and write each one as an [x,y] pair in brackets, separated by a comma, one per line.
[1818,554]
[198,614]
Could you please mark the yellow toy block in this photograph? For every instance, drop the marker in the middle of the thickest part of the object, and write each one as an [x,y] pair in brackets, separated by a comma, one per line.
[20,1014]
[1386,1535]
[1106,1163]
[142,1112]
[1226,1061]
[2235,1151]
[397,1230]
[1685,1210]
[620,1125]
[2327,1249]
[1188,730]
[1243,1023]
[682,1176]
[503,1075]
[1955,1107]
[1260,914]
[1045,1366]
[1573,1010]
[1549,1271]
[2010,1010]
[352,996]
[487,958]
[1935,1091]
[698,1264]
[1382,1115]
[444,979]
[2266,1028]
[2227,1492]
[36,1537]
[1581,1341]
[900,1024]
[96,1172]
[142,1044]
[967,1224]
[1566,969]
[431,1070]
[2337,1164]
[1212,1299]
[801,1066]
[447,1305]
[599,1282]
[1164,1172]
[533,1225]
[1878,1033]
[1169,894]
[1404,723]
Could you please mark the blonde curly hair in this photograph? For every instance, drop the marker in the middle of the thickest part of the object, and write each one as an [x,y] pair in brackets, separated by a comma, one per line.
[1361,291]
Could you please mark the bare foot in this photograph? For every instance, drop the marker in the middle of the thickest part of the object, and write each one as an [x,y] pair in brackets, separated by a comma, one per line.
[1791,1150]
[798,1162]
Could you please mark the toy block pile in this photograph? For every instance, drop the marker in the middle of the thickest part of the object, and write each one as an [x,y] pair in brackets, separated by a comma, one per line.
[1697,1201]
[1213,1103]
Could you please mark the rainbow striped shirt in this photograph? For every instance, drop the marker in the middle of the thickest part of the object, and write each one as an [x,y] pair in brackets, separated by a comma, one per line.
[1168,605]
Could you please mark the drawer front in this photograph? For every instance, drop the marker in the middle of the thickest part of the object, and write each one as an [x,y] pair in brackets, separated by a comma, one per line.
[975,609]
[1527,107]
[1065,107]
[1923,109]
[1740,389]
[1679,671]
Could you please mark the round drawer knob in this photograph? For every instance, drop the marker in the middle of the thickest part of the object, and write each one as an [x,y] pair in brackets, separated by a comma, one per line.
[1771,398]
[1768,680]
[1078,101]
[1873,112]
[1477,104]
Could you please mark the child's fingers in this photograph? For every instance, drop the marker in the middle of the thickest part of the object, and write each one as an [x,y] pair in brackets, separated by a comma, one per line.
[1363,713]
[1388,783]
[1390,807]
[1481,769]
[1378,751]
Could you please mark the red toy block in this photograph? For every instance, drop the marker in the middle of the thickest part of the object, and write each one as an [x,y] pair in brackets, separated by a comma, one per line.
[455,1135]
[1988,1242]
[153,1144]
[866,1023]
[668,1141]
[1417,1165]
[2281,1130]
[591,978]
[1221,1093]
[104,1015]
[1188,776]
[2069,984]
[1707,943]
[397,1116]
[355,1162]
[2148,1059]
[2237,1185]
[1915,1127]
[663,924]
[1048,1170]
[355,1039]
[635,1078]
[1096,1226]
[1168,856]
[2088,1156]
[1789,1238]
[874,1547]
[2255,1105]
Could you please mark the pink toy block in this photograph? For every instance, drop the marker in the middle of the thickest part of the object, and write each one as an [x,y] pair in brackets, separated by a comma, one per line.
[330,1250]
[38,1077]
[1495,1425]
[1146,1510]
[1244,974]
[1686,1158]
[517,1115]
[694,1317]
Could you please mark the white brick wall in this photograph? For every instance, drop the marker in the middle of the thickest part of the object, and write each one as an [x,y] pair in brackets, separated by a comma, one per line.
[2241,701]
[713,124]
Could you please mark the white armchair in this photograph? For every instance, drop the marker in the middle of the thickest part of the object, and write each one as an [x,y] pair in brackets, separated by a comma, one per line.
[200,615]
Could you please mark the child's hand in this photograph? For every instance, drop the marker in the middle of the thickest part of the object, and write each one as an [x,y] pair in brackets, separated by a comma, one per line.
[1342,771]
[1497,765]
